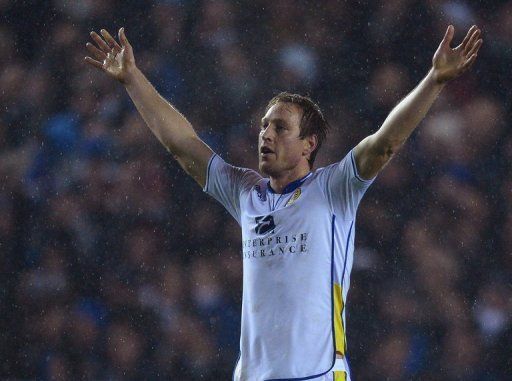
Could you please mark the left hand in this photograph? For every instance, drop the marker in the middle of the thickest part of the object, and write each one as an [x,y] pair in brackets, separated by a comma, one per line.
[449,63]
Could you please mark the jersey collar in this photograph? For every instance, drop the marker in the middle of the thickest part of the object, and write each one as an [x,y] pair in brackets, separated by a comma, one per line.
[291,186]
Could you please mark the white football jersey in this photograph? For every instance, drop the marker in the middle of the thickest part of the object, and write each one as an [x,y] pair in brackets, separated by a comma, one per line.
[297,251]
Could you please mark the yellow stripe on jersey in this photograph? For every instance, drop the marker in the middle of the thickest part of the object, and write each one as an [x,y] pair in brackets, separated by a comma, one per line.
[339,329]
[340,376]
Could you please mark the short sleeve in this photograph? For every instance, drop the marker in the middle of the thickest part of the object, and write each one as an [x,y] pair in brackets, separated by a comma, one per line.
[227,183]
[343,186]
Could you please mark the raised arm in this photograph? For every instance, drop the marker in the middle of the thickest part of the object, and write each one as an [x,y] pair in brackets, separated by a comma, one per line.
[373,152]
[170,127]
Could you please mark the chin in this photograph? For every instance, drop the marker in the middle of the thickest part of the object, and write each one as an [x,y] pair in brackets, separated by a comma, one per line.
[265,168]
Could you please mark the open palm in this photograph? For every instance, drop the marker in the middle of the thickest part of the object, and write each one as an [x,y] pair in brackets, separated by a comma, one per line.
[448,63]
[114,59]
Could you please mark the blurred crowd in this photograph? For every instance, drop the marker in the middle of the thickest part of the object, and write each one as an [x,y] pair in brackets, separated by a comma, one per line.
[116,266]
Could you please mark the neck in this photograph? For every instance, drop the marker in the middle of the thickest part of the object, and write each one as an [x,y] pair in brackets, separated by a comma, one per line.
[278,183]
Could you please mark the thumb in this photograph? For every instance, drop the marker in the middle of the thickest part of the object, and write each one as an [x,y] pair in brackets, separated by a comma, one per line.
[123,39]
[448,36]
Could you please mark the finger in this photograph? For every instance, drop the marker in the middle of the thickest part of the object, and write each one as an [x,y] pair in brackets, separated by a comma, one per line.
[469,62]
[468,35]
[471,41]
[448,36]
[110,41]
[123,39]
[475,48]
[94,63]
[98,54]
[99,41]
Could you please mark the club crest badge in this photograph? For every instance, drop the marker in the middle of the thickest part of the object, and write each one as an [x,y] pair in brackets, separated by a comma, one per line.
[294,197]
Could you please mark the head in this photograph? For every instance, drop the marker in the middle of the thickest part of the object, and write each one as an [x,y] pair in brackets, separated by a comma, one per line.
[292,131]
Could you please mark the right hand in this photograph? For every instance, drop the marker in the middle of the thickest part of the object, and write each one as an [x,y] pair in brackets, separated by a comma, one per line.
[114,59]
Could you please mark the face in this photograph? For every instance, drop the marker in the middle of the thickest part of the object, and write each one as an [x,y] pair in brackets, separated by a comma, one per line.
[279,147]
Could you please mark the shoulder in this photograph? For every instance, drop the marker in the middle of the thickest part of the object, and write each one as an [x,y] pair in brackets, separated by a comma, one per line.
[251,178]
[324,173]
[224,174]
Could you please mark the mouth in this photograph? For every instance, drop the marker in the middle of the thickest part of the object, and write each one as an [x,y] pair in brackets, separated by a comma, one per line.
[265,151]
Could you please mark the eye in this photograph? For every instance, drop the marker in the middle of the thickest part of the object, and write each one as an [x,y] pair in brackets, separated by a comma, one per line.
[264,125]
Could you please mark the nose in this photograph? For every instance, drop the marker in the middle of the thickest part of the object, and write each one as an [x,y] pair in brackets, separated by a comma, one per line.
[267,134]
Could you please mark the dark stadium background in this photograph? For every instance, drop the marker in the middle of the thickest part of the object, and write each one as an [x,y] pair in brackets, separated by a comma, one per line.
[115,266]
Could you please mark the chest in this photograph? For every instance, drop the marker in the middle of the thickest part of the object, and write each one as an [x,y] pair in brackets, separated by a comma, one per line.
[303,211]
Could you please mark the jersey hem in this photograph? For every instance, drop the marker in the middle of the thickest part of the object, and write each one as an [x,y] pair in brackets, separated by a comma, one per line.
[236,365]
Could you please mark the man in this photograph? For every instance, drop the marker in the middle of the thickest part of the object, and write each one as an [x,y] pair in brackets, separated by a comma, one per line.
[297,225]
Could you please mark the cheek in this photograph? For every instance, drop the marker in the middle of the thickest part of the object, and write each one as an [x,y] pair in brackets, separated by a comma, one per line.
[291,152]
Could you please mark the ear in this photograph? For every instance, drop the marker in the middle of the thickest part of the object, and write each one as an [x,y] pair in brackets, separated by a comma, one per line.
[310,144]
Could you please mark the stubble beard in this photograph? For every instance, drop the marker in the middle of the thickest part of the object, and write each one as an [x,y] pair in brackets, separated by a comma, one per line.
[263,167]
[267,169]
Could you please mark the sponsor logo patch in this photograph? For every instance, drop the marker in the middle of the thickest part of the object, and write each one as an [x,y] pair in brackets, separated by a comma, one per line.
[264,224]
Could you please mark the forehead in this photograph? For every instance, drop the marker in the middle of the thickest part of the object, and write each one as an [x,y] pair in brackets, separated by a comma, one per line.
[290,113]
